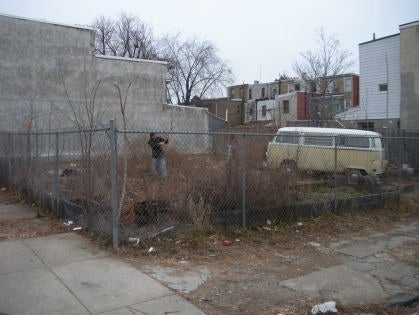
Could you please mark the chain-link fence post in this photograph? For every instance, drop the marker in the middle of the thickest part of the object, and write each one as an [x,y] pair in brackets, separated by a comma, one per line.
[28,152]
[56,173]
[114,188]
[399,177]
[9,159]
[244,173]
[335,175]
[36,148]
[14,161]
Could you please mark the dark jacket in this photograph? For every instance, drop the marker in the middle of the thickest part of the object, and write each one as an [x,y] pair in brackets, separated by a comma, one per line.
[156,149]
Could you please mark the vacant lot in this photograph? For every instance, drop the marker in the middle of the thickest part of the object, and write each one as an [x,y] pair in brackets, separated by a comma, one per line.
[248,276]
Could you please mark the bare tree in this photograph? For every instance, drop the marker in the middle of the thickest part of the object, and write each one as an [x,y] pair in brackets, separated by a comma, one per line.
[318,68]
[126,36]
[85,116]
[123,104]
[195,69]
[105,33]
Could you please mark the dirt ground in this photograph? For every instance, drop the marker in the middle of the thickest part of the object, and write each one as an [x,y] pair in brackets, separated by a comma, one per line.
[243,276]
[44,223]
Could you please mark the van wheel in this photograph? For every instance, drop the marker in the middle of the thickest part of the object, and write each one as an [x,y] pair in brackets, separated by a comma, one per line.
[288,167]
[354,177]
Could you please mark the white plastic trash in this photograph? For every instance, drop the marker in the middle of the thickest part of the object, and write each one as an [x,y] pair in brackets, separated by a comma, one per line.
[135,240]
[324,308]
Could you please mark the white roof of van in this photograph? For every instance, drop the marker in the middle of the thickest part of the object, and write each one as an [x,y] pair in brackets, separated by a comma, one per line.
[337,131]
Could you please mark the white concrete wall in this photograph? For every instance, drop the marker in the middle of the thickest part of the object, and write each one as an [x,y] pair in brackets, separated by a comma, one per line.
[257,90]
[271,110]
[292,114]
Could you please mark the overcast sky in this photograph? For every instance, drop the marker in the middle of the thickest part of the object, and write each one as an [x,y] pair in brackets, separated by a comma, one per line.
[259,39]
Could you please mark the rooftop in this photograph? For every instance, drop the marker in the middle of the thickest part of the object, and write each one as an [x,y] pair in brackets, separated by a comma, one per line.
[131,59]
[410,24]
[84,27]
[381,38]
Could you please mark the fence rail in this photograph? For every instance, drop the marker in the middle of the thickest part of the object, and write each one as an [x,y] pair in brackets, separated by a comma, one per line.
[113,182]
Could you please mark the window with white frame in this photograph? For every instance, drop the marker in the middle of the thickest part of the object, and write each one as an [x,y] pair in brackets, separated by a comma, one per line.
[263,110]
[273,93]
[291,87]
[347,85]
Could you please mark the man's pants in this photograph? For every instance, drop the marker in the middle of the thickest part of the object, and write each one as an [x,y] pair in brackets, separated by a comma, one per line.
[158,163]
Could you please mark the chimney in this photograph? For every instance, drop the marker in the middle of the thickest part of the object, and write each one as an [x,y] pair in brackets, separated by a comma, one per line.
[373,36]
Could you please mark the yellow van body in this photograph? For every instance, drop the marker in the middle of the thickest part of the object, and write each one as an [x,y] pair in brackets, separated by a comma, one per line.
[317,149]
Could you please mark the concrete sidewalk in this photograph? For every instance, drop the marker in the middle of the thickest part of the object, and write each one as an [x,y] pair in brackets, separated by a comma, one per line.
[67,274]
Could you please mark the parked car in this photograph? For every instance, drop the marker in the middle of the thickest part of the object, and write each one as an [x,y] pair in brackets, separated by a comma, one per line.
[354,152]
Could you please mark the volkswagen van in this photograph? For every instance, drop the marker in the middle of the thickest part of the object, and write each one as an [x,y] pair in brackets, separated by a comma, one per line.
[319,149]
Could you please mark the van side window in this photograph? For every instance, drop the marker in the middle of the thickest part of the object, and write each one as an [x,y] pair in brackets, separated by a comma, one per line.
[355,142]
[319,140]
[291,138]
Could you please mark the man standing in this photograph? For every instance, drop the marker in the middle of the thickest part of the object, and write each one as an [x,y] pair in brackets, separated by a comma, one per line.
[157,155]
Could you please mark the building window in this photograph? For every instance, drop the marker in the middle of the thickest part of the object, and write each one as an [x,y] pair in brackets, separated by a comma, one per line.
[238,109]
[313,86]
[366,125]
[241,93]
[347,85]
[382,87]
[250,94]
[297,86]
[273,93]
[251,111]
[330,87]
[231,93]
[348,104]
[263,92]
[263,110]
[286,107]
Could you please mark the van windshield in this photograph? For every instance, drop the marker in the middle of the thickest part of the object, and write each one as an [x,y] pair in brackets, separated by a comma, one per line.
[291,138]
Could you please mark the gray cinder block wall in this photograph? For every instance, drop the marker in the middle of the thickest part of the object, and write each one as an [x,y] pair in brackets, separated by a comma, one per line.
[48,72]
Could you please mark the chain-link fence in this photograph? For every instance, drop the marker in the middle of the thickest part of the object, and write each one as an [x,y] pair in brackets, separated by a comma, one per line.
[141,183]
